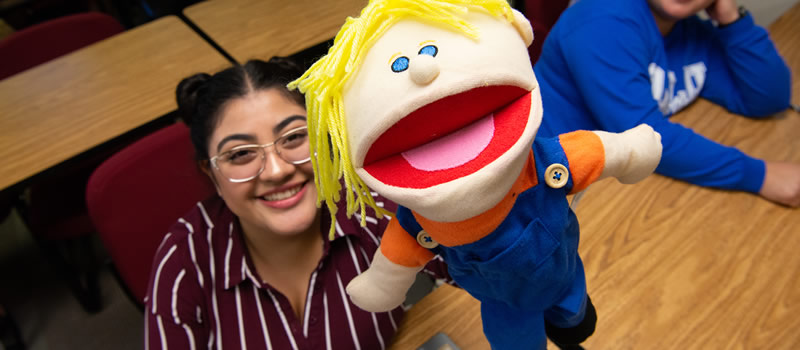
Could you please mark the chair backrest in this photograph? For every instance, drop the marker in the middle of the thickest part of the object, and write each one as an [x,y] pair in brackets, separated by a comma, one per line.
[542,14]
[7,202]
[137,194]
[45,41]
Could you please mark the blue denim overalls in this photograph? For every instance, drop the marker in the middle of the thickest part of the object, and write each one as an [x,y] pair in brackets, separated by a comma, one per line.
[528,269]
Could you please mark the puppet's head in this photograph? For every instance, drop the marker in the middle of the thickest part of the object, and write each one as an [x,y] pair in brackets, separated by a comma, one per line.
[431,103]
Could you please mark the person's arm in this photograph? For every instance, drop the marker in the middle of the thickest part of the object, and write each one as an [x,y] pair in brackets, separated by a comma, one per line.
[745,73]
[749,77]
[782,183]
[609,61]
[174,316]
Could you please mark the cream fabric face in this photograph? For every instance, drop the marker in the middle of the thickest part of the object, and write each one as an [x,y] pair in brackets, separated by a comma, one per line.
[377,97]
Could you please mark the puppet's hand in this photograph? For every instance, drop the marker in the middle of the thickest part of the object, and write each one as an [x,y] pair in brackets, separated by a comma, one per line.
[631,155]
[383,286]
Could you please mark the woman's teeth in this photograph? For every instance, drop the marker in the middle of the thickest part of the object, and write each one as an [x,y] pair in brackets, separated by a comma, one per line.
[283,194]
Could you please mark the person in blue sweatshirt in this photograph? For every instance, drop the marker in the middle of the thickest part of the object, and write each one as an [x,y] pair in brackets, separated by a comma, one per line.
[614,64]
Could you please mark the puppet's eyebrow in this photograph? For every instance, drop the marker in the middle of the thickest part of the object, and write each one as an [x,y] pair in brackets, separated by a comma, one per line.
[391,59]
[426,42]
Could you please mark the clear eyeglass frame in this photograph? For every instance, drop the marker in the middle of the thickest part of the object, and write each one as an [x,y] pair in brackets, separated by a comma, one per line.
[262,155]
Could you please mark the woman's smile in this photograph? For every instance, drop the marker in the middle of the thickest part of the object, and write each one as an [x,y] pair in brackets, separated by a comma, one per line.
[284,197]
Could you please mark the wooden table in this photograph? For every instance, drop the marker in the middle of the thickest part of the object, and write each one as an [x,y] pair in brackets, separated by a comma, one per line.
[447,309]
[675,266]
[248,29]
[57,110]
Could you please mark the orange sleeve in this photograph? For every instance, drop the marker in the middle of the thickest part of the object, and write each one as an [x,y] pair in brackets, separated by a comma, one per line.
[401,248]
[586,157]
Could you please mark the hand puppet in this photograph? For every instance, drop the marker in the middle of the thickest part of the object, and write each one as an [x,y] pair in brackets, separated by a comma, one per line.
[434,105]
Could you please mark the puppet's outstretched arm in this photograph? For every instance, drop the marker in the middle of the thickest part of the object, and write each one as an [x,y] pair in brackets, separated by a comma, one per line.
[383,286]
[632,155]
[593,155]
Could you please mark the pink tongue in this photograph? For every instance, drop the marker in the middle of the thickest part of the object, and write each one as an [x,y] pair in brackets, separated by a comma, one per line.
[455,149]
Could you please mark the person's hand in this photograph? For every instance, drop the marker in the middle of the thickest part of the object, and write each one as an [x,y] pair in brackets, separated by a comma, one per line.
[723,11]
[782,183]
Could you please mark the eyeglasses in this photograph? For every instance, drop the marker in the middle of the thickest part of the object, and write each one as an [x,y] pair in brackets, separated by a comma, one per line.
[244,163]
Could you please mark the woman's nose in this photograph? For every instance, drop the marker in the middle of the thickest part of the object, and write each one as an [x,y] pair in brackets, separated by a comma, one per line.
[423,69]
[275,168]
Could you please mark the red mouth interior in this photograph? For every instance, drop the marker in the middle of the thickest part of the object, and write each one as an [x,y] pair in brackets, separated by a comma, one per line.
[384,162]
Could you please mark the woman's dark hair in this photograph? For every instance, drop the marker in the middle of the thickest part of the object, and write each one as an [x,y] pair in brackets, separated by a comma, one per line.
[201,97]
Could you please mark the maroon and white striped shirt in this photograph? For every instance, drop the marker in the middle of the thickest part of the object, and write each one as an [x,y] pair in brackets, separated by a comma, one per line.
[204,294]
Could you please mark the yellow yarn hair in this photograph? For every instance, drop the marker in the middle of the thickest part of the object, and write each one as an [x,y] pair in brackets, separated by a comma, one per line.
[324,82]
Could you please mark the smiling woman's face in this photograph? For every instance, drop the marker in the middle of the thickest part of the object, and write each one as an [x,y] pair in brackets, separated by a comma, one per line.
[282,199]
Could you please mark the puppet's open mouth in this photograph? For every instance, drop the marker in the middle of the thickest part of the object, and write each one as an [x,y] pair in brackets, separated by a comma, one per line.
[450,138]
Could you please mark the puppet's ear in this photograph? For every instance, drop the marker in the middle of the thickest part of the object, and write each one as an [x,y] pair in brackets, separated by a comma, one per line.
[523,27]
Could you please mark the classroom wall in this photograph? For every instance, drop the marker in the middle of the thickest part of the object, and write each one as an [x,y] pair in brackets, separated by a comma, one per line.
[767,11]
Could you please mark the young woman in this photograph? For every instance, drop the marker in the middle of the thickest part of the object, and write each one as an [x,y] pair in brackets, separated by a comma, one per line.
[252,267]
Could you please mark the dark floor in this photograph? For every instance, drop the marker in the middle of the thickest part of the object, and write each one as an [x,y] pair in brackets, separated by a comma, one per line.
[48,316]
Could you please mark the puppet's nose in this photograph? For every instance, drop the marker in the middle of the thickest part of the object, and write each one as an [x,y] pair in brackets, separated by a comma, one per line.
[423,69]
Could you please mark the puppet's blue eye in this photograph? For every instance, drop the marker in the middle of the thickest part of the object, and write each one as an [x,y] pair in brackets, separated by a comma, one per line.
[400,64]
[429,50]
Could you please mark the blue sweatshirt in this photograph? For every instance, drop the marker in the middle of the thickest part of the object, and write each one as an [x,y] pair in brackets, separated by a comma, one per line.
[606,66]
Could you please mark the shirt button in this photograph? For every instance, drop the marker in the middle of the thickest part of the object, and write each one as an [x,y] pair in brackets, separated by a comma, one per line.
[556,175]
[312,320]
[425,240]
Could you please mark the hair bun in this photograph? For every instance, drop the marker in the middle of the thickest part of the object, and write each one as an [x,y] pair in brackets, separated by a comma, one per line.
[287,65]
[284,67]
[186,95]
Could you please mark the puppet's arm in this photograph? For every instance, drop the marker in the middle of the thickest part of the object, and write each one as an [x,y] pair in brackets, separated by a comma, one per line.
[632,155]
[593,155]
[383,286]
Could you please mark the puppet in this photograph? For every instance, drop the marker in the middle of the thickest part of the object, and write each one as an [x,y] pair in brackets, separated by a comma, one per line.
[434,105]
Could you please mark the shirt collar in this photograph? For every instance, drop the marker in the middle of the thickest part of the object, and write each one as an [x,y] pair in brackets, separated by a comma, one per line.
[239,266]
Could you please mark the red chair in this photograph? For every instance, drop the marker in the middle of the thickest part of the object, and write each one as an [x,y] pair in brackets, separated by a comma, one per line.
[542,14]
[56,212]
[45,41]
[137,194]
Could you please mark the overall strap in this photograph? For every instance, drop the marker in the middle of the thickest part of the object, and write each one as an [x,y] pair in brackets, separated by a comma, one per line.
[546,152]
[406,219]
